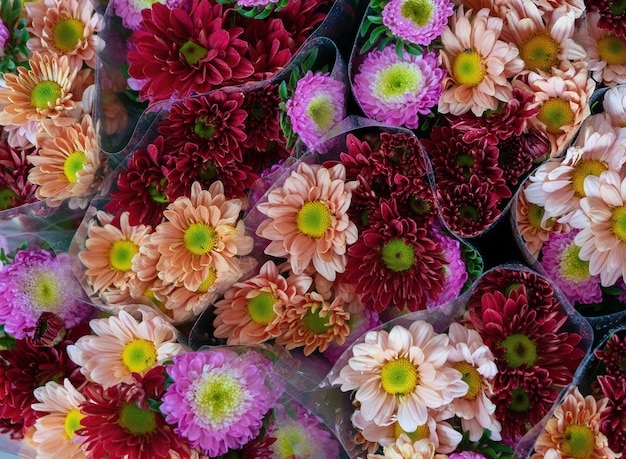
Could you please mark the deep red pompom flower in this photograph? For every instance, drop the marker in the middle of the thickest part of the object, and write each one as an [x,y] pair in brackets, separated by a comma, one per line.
[15,189]
[614,356]
[612,417]
[263,120]
[271,46]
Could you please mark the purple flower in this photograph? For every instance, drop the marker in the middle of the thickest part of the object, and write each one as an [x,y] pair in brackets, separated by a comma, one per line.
[455,272]
[466,455]
[4,36]
[417,21]
[130,10]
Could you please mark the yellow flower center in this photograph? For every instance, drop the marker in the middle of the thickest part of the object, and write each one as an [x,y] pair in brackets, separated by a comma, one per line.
[139,355]
[67,34]
[535,215]
[556,113]
[540,51]
[45,94]
[398,256]
[612,50]
[207,283]
[45,291]
[314,322]
[578,442]
[399,377]
[572,267]
[321,111]
[467,68]
[582,170]
[314,219]
[420,12]
[200,238]
[137,421]
[192,52]
[472,378]
[393,82]
[261,308]
[292,441]
[121,255]
[73,165]
[618,223]
[72,422]
[217,398]
[420,433]
[519,350]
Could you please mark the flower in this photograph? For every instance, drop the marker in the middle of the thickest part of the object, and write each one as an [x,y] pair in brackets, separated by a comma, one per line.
[263,120]
[130,10]
[476,80]
[200,232]
[417,21]
[317,104]
[14,167]
[405,448]
[610,18]
[122,345]
[218,399]
[271,47]
[4,37]
[397,89]
[574,430]
[606,53]
[455,272]
[613,356]
[611,424]
[400,374]
[308,221]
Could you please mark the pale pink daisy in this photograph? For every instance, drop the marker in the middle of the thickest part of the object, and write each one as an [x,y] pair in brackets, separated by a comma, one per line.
[399,375]
[55,433]
[478,63]
[614,105]
[122,345]
[606,53]
[308,221]
[555,7]
[405,448]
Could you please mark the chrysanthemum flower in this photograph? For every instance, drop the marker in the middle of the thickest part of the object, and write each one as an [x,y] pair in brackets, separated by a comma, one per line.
[201,232]
[4,36]
[318,103]
[614,356]
[55,432]
[517,154]
[308,221]
[130,10]
[301,18]
[271,46]
[185,50]
[252,311]
[37,282]
[455,272]
[39,93]
[218,398]
[399,375]
[15,189]
[611,418]
[66,28]
[121,345]
[404,447]
[263,120]
[574,430]
[417,21]
[478,64]
[606,53]
[610,17]
[361,320]
[397,89]
[614,105]
[67,161]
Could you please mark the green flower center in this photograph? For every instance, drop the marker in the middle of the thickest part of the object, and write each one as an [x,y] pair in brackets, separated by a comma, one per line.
[399,377]
[261,308]
[420,206]
[207,283]
[45,94]
[139,355]
[314,322]
[258,110]
[72,422]
[520,350]
[121,255]
[467,68]
[465,163]
[314,219]
[468,212]
[200,238]
[555,113]
[218,398]
[618,7]
[321,111]
[192,52]
[520,402]
[291,441]
[583,169]
[7,197]
[46,292]
[420,12]
[418,434]
[66,34]
[73,165]
[618,223]
[612,50]
[535,215]
[202,128]
[398,256]
[472,378]
[572,267]
[137,421]
[578,442]
[157,192]
[208,172]
[394,81]
[540,52]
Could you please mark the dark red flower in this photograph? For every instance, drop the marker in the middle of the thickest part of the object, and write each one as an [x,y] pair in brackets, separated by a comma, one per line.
[302,18]
[271,46]
[357,159]
[612,417]
[514,158]
[398,153]
[259,448]
[612,15]
[260,160]
[15,189]
[263,120]
[49,330]
[180,51]
[614,356]
[415,199]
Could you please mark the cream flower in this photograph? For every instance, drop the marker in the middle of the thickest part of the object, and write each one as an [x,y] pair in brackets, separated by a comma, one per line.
[405,448]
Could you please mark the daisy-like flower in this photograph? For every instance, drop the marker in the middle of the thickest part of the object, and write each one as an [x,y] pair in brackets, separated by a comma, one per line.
[614,356]
[518,153]
[614,105]
[55,432]
[362,320]
[66,28]
[200,233]
[318,103]
[399,375]
[263,120]
[43,91]
[405,448]
[36,282]
[417,21]
[603,223]
[606,53]
[571,274]
[109,251]
[574,430]
[271,46]
[308,221]
[218,398]
[610,17]
[130,10]
[122,345]
[15,189]
[397,89]
[611,424]
[184,50]
[252,311]
[478,64]
[67,161]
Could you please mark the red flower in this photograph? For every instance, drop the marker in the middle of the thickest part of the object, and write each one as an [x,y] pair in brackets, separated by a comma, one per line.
[612,417]
[15,189]
[271,46]
[302,18]
[612,15]
[263,120]
[614,356]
